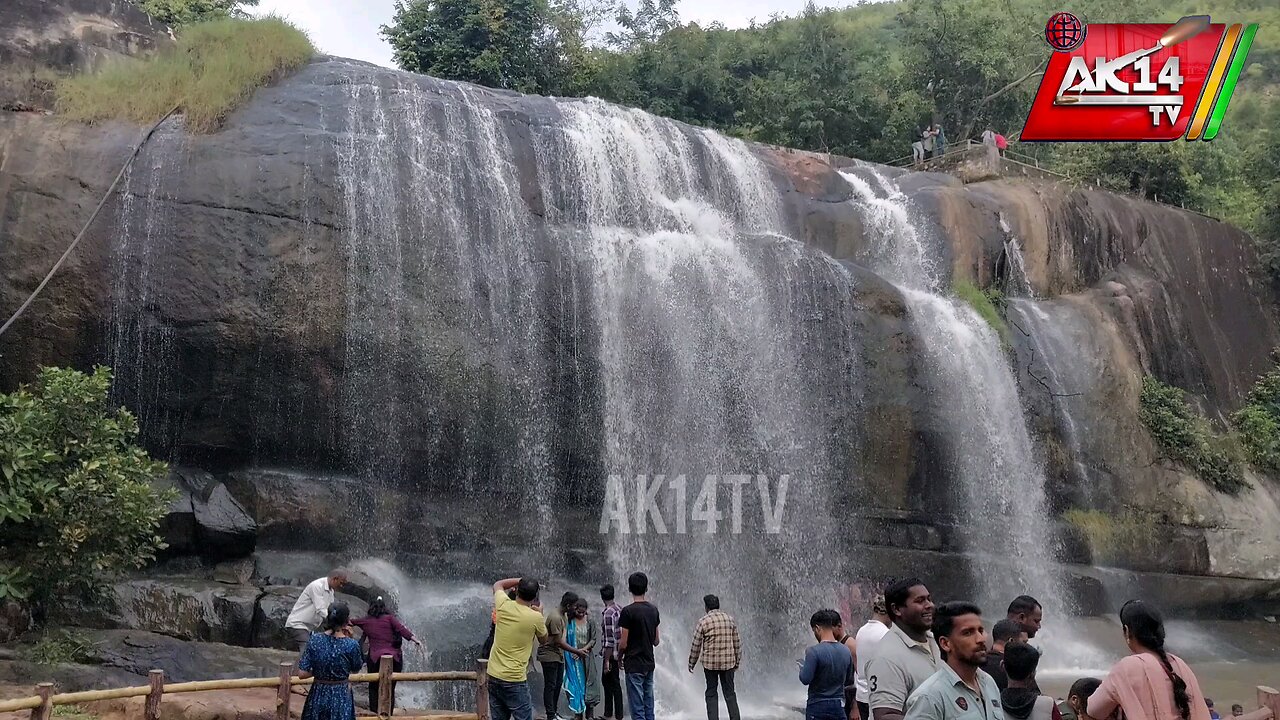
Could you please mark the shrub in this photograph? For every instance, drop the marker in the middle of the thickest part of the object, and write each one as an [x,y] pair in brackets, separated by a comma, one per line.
[987,304]
[215,66]
[1258,422]
[1187,438]
[76,499]
[62,646]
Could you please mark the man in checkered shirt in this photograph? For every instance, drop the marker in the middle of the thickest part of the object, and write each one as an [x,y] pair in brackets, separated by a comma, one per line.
[716,641]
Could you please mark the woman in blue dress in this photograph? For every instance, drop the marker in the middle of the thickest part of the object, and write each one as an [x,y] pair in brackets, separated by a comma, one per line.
[330,657]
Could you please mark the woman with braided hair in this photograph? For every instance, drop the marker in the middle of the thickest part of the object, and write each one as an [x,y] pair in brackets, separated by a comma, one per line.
[1150,684]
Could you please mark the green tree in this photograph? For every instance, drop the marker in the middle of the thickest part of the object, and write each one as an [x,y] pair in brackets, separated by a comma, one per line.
[76,501]
[526,45]
[184,12]
[650,21]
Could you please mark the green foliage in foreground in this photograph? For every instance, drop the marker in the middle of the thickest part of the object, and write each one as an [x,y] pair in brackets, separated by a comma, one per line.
[185,12]
[1187,438]
[215,66]
[986,303]
[76,495]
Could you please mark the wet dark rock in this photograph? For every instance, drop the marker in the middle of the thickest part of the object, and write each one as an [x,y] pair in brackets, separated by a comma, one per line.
[183,608]
[204,518]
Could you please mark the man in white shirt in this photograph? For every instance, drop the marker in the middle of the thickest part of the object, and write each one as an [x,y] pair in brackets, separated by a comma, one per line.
[866,639]
[311,607]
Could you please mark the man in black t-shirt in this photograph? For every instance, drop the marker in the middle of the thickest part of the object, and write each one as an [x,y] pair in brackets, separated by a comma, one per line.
[639,624]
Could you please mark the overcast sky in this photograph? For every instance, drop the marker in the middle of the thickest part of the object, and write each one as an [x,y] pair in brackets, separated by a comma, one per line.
[349,28]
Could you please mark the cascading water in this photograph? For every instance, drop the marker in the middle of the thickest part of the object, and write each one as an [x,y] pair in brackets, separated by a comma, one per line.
[141,343]
[708,359]
[703,339]
[1049,369]
[1003,516]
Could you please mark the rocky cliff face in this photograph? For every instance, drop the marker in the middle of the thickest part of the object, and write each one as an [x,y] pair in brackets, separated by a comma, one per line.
[39,41]
[379,307]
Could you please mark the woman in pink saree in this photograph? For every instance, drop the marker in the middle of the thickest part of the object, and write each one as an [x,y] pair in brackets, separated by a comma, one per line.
[1150,684]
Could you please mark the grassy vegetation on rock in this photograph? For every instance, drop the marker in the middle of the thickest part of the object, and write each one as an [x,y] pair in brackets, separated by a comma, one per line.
[58,647]
[985,304]
[1187,438]
[1258,423]
[214,67]
[1109,536]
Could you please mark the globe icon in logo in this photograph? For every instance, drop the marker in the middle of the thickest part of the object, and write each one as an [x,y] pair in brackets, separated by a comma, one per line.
[1064,32]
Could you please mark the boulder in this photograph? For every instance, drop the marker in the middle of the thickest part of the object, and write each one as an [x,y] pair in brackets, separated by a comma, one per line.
[300,510]
[360,585]
[235,572]
[139,652]
[187,609]
[269,617]
[223,528]
[205,518]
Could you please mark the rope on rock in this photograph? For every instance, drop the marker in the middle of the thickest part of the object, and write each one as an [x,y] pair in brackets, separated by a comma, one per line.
[129,161]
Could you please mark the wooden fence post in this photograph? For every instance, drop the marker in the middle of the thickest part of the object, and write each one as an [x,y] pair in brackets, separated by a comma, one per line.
[284,691]
[1269,698]
[386,690]
[152,709]
[482,689]
[45,711]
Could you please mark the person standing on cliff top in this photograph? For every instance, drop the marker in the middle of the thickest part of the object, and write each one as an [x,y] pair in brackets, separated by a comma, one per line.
[312,605]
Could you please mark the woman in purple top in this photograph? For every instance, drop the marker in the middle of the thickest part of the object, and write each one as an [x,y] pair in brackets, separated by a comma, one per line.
[385,634]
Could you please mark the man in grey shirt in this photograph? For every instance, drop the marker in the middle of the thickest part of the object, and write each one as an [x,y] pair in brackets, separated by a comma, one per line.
[907,655]
[960,690]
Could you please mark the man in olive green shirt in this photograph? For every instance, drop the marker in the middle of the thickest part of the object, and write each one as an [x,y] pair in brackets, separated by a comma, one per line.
[515,626]
[551,655]
[960,690]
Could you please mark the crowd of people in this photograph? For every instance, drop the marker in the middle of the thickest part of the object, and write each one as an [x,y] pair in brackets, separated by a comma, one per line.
[910,660]
[932,143]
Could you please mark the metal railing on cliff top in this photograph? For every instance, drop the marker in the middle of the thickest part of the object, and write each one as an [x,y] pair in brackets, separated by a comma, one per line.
[1014,157]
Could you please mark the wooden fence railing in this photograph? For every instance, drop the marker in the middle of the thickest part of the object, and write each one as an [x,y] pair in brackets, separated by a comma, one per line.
[42,703]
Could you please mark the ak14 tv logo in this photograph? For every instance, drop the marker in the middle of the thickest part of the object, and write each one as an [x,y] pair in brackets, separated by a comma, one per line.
[1137,81]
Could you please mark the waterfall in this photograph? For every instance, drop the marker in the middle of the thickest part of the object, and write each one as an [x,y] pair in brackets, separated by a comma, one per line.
[1047,368]
[463,239]
[1003,516]
[141,350]
[630,289]
[712,366]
